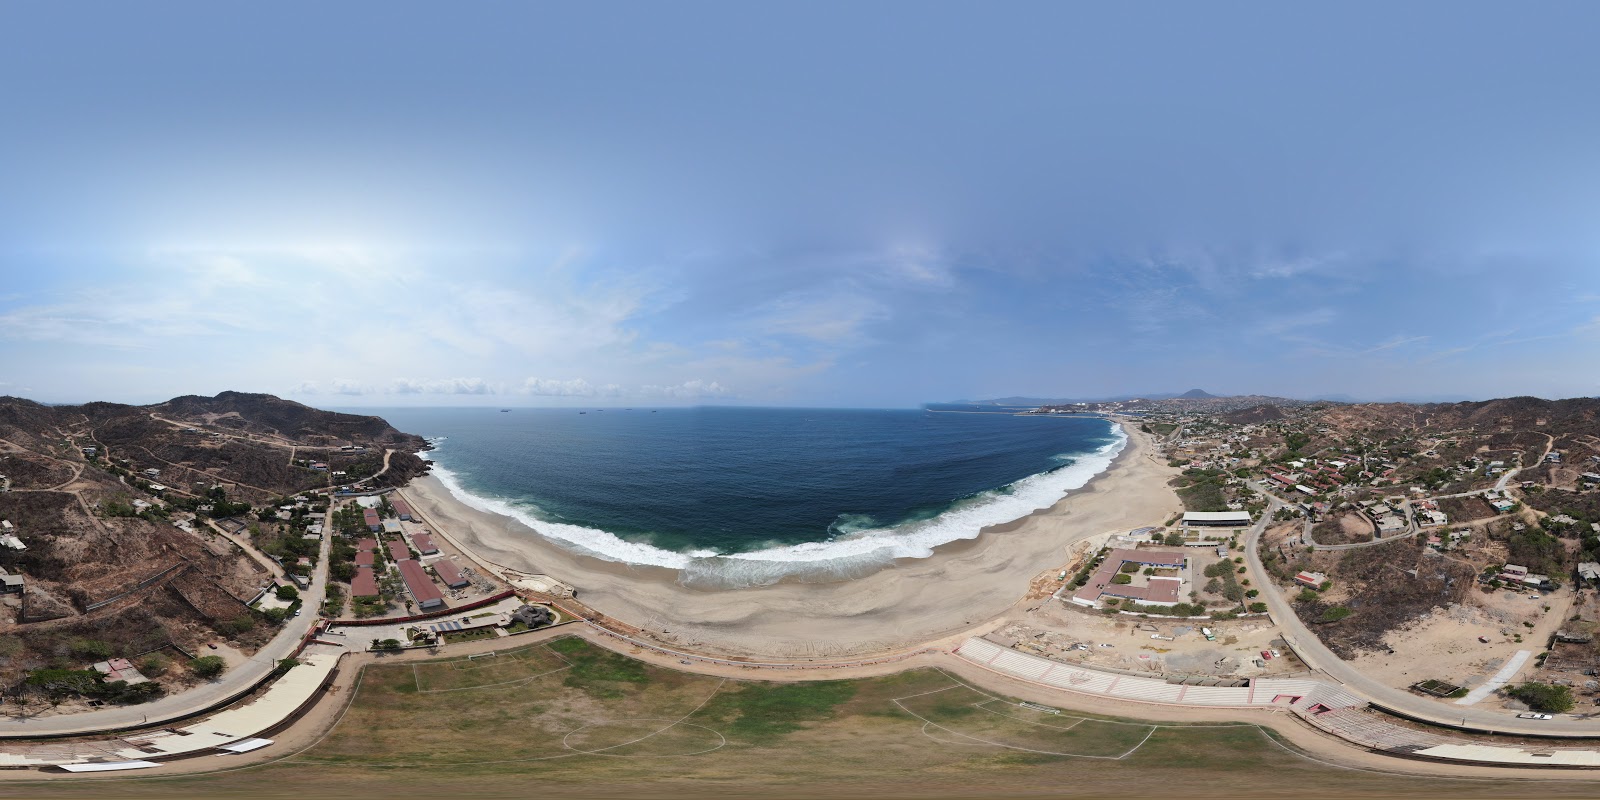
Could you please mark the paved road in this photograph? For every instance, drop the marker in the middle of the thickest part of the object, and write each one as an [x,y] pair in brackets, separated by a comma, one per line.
[1317,656]
[201,697]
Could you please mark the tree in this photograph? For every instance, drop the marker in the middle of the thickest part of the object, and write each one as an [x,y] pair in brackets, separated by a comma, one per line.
[287,593]
[1544,697]
[1258,608]
[1122,579]
[208,666]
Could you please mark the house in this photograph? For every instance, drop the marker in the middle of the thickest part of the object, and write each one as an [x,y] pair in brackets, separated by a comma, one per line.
[119,669]
[11,584]
[1313,580]
[424,544]
[1589,572]
[152,473]
[402,509]
[11,541]
[371,517]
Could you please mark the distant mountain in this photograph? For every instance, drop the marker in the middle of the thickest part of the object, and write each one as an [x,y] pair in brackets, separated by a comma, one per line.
[1197,394]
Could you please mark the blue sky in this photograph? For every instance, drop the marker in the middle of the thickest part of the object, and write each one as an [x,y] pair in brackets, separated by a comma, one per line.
[806,204]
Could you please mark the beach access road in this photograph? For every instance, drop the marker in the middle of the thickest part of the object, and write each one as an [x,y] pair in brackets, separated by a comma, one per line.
[1317,656]
[235,681]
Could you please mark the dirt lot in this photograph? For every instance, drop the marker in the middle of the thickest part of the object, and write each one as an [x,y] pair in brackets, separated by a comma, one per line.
[1443,644]
[1343,529]
[1053,629]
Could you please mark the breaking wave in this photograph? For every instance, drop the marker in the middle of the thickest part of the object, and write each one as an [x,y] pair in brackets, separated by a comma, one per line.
[857,545]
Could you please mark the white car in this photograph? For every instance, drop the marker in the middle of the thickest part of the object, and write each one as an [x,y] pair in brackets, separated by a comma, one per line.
[1534,715]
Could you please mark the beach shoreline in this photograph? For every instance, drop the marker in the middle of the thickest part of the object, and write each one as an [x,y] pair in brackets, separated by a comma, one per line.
[911,600]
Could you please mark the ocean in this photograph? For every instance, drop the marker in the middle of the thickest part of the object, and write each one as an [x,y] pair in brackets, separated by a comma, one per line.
[746,496]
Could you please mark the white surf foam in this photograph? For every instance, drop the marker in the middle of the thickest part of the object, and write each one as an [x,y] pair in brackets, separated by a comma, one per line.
[851,554]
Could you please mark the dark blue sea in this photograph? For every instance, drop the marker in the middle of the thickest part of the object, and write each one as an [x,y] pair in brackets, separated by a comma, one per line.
[735,496]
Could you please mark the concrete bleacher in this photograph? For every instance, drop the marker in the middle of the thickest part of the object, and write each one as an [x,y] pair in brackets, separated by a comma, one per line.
[1325,705]
[1307,694]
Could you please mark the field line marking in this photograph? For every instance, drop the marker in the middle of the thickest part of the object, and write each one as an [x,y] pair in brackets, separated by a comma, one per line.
[691,713]
[1135,748]
[997,744]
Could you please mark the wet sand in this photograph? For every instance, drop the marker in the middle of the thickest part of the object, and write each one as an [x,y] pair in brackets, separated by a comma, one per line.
[963,584]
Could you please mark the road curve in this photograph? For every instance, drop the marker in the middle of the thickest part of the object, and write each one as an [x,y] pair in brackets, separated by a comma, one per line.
[1317,656]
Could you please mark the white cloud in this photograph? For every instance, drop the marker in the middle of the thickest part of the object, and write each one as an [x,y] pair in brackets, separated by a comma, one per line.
[688,390]
[344,386]
[445,386]
[572,387]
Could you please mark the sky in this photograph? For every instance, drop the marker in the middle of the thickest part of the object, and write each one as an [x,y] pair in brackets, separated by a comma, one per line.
[818,204]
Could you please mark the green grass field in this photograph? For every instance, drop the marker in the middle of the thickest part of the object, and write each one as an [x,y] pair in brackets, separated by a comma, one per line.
[574,718]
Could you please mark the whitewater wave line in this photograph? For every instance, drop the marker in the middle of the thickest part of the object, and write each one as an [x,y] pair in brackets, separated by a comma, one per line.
[850,555]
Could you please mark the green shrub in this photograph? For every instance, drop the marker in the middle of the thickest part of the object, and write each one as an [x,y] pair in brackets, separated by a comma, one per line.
[208,666]
[1544,697]
[1335,614]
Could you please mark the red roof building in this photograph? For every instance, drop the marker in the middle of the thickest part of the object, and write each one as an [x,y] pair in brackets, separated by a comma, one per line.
[424,544]
[371,517]
[401,507]
[398,550]
[421,586]
[365,583]
[365,558]
[450,574]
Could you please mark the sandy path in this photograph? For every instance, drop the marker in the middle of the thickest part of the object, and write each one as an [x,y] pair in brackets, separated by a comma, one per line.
[961,585]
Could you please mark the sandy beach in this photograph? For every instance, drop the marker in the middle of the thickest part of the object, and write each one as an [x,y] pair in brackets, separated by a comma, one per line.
[963,584]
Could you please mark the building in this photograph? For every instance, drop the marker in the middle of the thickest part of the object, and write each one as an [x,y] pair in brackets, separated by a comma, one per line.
[1157,591]
[152,473]
[10,540]
[533,616]
[421,587]
[373,523]
[11,584]
[398,550]
[1589,572]
[119,669]
[450,574]
[424,544]
[1312,580]
[401,508]
[1217,519]
[365,582]
[469,624]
